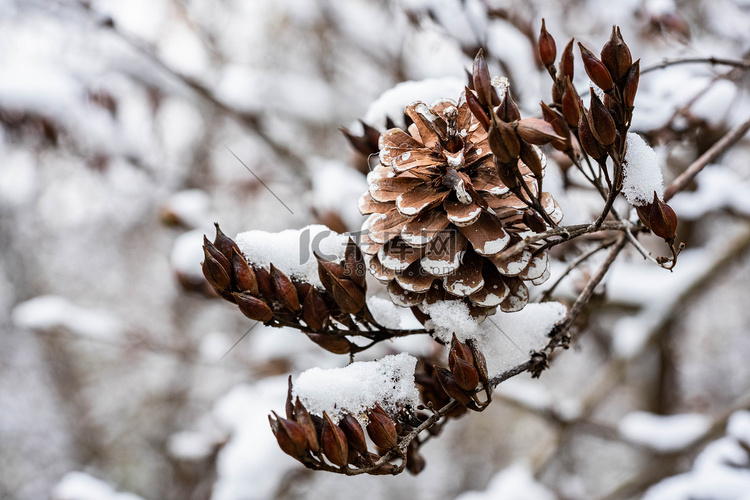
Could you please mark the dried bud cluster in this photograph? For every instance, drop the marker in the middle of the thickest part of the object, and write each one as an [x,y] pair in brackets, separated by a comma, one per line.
[659,217]
[319,443]
[451,193]
[273,298]
[467,369]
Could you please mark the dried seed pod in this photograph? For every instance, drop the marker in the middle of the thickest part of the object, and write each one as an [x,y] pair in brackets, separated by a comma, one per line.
[588,142]
[482,81]
[348,296]
[560,127]
[289,406]
[253,307]
[334,442]
[215,273]
[662,219]
[327,269]
[644,213]
[464,373]
[224,243]
[480,363]
[354,265]
[534,222]
[570,104]
[630,84]
[536,131]
[503,141]
[265,283]
[460,350]
[507,173]
[354,433]
[566,61]
[596,69]
[244,276]
[381,430]
[286,293]
[508,110]
[331,343]
[476,108]
[289,435]
[314,310]
[451,388]
[547,48]
[616,55]
[302,417]
[601,122]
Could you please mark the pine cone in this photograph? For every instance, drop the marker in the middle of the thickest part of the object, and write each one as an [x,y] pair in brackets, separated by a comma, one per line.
[440,215]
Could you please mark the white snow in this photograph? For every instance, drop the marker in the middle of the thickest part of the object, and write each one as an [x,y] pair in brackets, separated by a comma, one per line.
[738,426]
[384,311]
[190,207]
[719,188]
[720,471]
[47,312]
[187,254]
[358,386]
[642,170]
[664,433]
[291,251]
[81,486]
[393,101]
[514,483]
[191,445]
[337,188]
[506,339]
[251,461]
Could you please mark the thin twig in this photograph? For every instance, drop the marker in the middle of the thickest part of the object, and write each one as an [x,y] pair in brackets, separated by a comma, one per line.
[698,60]
[575,263]
[729,139]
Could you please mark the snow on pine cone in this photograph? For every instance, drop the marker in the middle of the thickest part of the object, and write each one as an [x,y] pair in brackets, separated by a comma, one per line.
[439,215]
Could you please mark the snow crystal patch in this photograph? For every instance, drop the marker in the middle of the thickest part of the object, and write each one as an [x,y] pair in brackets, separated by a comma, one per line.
[81,486]
[506,339]
[385,312]
[357,387]
[291,251]
[642,172]
[664,433]
[392,102]
[51,311]
[516,482]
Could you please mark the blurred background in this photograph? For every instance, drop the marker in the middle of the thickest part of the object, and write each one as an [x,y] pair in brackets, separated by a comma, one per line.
[123,131]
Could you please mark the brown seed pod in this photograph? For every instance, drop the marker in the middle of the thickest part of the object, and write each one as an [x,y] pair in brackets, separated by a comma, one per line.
[334,442]
[630,84]
[616,55]
[464,373]
[536,131]
[476,108]
[662,220]
[244,276]
[566,61]
[265,283]
[327,269]
[331,343]
[302,417]
[503,141]
[314,310]
[547,48]
[348,296]
[381,430]
[354,265]
[588,142]
[460,350]
[354,433]
[253,307]
[601,123]
[559,125]
[286,293]
[289,435]
[224,243]
[508,110]
[480,363]
[570,104]
[289,406]
[451,388]
[216,274]
[482,81]
[596,69]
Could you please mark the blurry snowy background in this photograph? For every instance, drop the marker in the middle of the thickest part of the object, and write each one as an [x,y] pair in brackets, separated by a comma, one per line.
[119,122]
